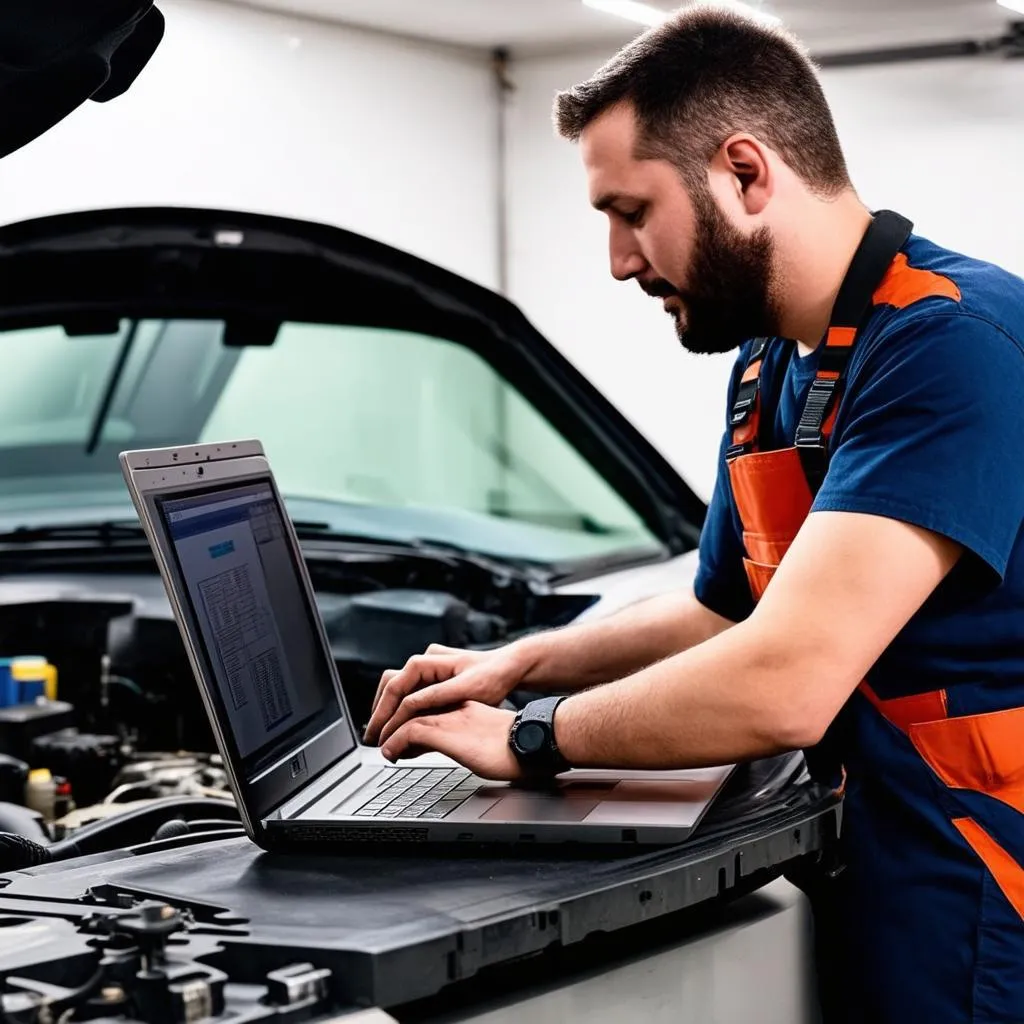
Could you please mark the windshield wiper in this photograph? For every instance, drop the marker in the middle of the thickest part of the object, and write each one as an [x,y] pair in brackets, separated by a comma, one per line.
[323,531]
[423,547]
[106,532]
[96,431]
[309,530]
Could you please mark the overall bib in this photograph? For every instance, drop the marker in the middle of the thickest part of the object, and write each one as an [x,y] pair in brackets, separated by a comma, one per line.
[924,920]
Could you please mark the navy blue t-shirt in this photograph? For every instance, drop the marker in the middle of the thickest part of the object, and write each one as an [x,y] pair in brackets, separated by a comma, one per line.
[930,430]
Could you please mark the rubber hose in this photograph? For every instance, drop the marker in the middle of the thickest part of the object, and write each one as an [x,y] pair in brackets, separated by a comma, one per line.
[17,852]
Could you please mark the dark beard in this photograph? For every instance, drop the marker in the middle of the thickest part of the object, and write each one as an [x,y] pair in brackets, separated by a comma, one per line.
[729,300]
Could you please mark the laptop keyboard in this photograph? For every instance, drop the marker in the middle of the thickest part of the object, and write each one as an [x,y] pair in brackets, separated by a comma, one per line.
[420,793]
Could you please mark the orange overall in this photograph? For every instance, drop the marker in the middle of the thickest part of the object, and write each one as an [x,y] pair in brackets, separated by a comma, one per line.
[933,837]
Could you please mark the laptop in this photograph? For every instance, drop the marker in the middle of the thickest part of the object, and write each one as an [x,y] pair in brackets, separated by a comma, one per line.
[242,597]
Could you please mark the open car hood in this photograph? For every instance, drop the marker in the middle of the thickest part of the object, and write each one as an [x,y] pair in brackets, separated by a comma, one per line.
[85,270]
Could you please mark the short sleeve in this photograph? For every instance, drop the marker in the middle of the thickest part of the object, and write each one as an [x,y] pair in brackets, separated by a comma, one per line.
[930,432]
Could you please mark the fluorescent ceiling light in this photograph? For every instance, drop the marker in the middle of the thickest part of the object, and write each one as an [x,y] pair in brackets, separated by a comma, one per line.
[647,14]
[1011,5]
[631,10]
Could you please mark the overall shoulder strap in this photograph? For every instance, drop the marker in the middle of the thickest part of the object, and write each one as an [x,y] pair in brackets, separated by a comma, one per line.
[745,418]
[883,240]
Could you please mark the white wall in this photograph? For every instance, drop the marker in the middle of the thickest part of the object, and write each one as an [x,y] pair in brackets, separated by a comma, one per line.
[244,109]
[941,142]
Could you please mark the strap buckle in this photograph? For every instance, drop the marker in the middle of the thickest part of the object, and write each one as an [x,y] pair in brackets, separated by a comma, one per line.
[809,437]
[743,406]
[809,440]
[819,397]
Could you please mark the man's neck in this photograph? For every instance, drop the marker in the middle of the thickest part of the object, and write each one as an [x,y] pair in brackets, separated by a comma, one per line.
[817,255]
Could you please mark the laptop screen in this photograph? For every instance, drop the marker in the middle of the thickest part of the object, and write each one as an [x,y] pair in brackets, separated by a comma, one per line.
[246,595]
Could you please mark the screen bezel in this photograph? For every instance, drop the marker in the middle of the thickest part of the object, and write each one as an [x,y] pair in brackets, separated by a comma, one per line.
[308,756]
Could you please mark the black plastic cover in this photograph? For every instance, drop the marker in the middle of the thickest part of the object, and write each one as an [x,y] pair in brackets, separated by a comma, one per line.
[395,929]
[20,724]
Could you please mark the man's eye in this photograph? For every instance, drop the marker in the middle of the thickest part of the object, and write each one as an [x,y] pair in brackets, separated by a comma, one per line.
[633,217]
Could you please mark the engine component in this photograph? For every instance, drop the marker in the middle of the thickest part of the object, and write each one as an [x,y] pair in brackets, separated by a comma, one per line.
[375,631]
[13,777]
[17,852]
[146,963]
[91,762]
[297,985]
[154,776]
[22,821]
[176,828]
[134,825]
[48,794]
[378,627]
[70,632]
[171,830]
[23,679]
[20,724]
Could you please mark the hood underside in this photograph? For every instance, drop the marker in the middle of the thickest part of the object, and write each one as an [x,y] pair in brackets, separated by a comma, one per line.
[86,270]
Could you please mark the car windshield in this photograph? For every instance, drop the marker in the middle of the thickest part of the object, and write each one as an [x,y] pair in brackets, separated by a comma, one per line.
[381,433]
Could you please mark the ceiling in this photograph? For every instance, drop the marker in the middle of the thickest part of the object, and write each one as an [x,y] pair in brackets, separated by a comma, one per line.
[542,26]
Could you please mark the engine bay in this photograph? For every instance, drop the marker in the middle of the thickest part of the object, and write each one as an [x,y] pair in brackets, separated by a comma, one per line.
[100,714]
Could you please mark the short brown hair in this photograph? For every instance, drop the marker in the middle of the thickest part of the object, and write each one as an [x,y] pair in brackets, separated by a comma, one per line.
[704,74]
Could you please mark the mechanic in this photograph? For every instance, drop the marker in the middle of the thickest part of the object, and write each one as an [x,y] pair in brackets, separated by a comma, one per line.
[860,592]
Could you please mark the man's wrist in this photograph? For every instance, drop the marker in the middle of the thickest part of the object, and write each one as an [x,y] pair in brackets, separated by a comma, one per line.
[567,732]
[528,655]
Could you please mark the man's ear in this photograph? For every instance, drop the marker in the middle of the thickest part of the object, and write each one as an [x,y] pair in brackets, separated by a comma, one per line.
[746,161]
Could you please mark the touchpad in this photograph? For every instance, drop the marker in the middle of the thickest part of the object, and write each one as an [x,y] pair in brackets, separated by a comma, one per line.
[573,803]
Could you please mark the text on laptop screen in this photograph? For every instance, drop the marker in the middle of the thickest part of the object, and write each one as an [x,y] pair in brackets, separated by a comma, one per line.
[247,598]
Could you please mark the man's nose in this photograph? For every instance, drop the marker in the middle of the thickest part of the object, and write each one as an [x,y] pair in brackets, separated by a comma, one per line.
[625,259]
[627,265]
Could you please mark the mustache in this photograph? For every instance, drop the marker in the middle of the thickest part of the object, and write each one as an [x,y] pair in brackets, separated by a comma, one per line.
[659,288]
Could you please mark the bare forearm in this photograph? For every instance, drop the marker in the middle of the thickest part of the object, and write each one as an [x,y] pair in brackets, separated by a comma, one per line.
[590,653]
[731,699]
[777,680]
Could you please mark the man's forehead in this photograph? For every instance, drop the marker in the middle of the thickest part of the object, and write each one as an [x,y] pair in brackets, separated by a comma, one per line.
[607,145]
[610,137]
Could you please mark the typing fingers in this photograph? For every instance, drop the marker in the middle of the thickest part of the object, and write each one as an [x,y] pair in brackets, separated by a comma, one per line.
[420,670]
[435,698]
[385,678]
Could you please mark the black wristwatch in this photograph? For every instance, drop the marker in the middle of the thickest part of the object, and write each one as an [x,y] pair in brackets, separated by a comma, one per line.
[532,739]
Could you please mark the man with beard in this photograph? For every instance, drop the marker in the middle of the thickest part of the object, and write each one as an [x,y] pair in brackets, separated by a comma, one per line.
[860,593]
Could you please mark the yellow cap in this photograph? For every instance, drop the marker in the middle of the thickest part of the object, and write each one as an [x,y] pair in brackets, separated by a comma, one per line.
[28,670]
[39,775]
[34,670]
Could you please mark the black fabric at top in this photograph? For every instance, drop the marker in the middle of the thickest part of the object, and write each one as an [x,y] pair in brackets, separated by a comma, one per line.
[56,54]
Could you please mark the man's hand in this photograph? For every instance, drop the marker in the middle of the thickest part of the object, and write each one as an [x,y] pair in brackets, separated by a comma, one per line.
[474,734]
[443,678]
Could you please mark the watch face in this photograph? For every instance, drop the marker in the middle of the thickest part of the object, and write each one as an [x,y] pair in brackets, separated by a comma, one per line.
[530,737]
